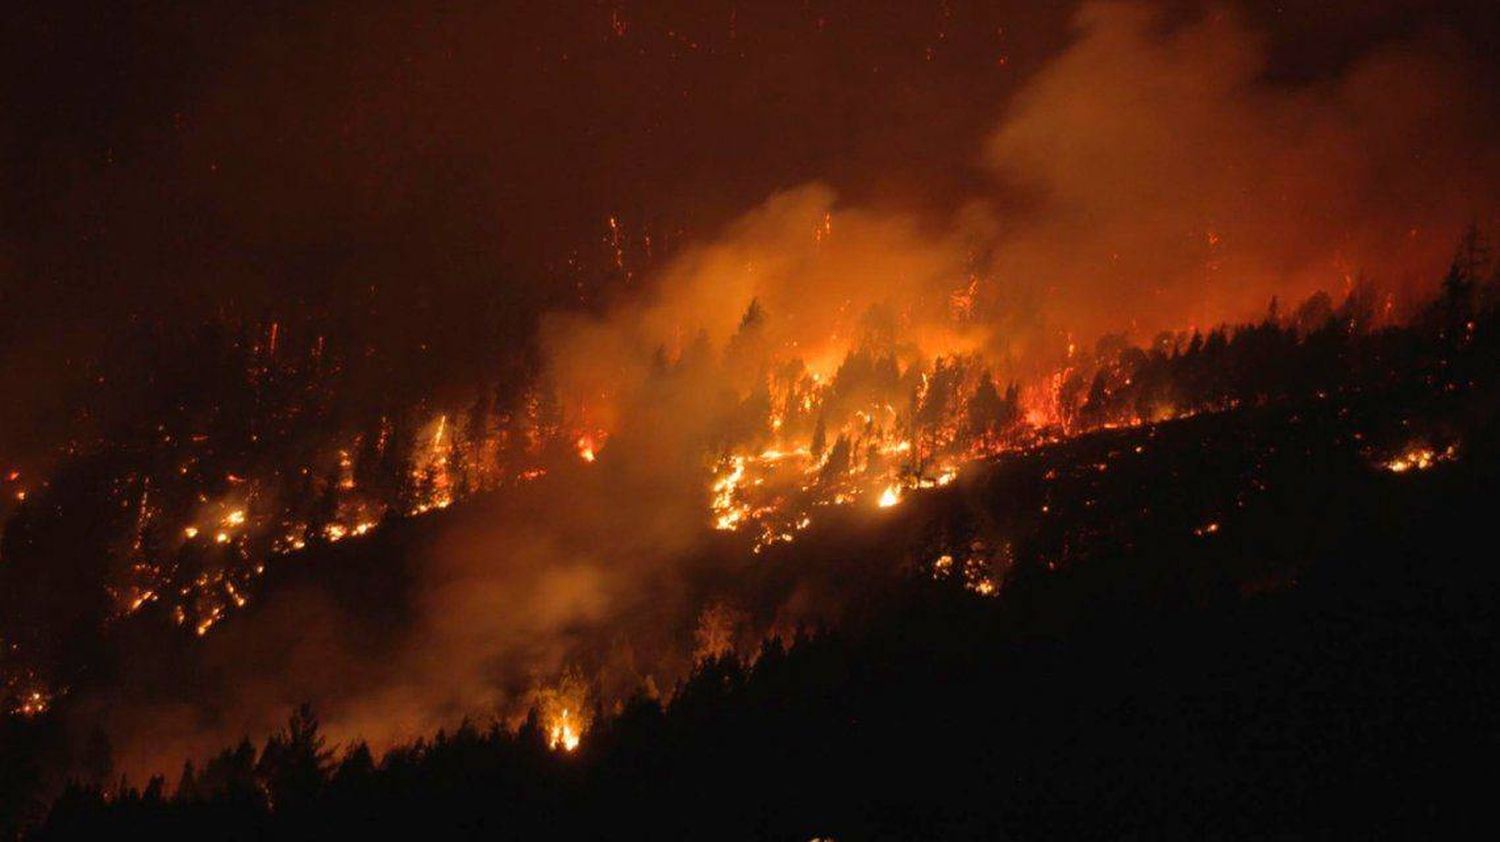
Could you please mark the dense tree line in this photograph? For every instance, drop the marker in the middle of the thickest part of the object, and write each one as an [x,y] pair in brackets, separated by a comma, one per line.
[1354,703]
[1324,666]
[1322,662]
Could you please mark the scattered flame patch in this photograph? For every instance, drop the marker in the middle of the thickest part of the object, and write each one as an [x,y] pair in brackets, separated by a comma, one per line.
[1419,458]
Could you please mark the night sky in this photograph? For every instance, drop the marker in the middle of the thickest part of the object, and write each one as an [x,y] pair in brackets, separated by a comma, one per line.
[264,159]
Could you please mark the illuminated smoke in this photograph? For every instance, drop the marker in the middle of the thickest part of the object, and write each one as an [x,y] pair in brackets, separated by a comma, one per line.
[821,351]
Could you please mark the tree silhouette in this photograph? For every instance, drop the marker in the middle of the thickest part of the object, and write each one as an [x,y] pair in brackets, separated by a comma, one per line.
[294,765]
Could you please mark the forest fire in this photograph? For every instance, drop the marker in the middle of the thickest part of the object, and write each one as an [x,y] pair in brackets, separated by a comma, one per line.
[33,703]
[562,708]
[885,421]
[563,732]
[1419,458]
[804,441]
[523,375]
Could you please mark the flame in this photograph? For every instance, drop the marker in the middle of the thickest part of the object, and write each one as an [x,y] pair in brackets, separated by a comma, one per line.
[1419,458]
[882,424]
[431,472]
[563,709]
[563,732]
[727,513]
[34,703]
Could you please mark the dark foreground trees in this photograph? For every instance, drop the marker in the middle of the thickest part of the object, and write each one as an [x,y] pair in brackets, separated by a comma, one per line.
[1359,702]
[1323,662]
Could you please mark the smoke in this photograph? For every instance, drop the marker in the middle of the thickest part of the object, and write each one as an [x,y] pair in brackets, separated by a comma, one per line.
[599,571]
[1153,175]
[1171,183]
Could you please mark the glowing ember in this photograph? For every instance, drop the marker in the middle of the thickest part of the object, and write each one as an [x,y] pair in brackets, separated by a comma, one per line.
[889,497]
[208,622]
[34,704]
[1419,458]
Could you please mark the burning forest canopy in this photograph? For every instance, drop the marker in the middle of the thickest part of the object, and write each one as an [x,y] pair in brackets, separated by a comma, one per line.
[431,364]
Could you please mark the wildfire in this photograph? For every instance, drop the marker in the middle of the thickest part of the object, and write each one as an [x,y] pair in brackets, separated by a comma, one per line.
[563,732]
[1419,458]
[431,472]
[852,421]
[978,571]
[335,532]
[728,514]
[829,434]
[14,476]
[233,520]
[562,709]
[841,422]
[35,703]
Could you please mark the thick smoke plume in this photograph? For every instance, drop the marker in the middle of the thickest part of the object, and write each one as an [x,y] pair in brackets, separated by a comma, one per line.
[1150,177]
[1168,182]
